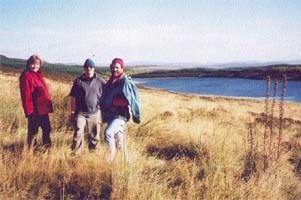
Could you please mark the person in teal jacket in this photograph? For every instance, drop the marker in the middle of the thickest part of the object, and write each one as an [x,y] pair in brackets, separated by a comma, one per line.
[120,98]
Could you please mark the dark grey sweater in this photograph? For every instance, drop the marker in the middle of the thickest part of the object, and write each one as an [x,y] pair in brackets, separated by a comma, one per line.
[87,93]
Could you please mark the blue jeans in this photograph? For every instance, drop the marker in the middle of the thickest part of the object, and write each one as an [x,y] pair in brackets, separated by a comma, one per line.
[115,136]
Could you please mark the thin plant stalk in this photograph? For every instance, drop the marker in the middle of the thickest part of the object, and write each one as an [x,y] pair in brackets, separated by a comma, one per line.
[272,117]
[266,108]
[281,113]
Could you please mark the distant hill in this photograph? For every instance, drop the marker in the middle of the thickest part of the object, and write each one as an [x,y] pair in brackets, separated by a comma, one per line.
[293,72]
[250,70]
[17,64]
[179,65]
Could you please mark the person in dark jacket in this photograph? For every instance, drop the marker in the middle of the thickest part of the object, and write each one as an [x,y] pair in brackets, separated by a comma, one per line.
[85,107]
[36,101]
[120,98]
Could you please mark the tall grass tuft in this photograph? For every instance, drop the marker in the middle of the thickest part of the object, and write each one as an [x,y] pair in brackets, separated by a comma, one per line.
[250,165]
[272,122]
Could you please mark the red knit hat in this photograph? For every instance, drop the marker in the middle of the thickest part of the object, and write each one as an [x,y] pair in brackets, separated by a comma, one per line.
[119,61]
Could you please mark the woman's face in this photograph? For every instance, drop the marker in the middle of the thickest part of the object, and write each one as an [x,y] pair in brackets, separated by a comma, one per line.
[116,70]
[35,66]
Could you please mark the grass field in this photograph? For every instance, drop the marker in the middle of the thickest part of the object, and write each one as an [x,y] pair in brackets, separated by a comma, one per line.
[186,147]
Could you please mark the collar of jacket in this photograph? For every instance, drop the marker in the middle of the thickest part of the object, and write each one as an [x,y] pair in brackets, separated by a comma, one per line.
[114,79]
[40,72]
[84,77]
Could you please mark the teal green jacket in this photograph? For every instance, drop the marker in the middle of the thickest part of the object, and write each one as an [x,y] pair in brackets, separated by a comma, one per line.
[123,88]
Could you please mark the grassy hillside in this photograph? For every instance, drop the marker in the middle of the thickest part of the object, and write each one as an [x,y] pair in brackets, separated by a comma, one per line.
[19,64]
[186,147]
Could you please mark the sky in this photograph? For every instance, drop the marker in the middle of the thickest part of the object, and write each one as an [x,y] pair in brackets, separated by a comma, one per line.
[168,31]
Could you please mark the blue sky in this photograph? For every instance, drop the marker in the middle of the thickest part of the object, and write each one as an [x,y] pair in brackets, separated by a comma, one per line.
[193,31]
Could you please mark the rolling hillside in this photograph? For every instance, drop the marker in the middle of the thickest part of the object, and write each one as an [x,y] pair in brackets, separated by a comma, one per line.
[16,64]
[188,147]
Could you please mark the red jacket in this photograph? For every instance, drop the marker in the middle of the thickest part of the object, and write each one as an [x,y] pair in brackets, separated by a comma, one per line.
[34,94]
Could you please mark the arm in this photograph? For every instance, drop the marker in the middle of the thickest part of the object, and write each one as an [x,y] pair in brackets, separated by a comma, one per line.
[72,95]
[72,105]
[130,92]
[26,91]
[72,109]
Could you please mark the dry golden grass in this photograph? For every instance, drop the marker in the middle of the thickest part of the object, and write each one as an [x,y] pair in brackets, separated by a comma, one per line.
[186,147]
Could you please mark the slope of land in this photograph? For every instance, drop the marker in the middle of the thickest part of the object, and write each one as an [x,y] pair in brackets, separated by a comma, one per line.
[186,147]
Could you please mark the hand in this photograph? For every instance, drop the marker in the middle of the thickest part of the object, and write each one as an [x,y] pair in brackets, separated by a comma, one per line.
[136,120]
[30,116]
[71,118]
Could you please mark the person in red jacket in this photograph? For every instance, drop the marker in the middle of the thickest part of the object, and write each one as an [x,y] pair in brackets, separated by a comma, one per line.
[36,101]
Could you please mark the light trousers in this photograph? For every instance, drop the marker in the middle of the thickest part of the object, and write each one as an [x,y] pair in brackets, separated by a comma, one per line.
[115,137]
[91,122]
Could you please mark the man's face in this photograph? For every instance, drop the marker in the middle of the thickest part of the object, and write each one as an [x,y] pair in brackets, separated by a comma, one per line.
[35,66]
[89,71]
[116,70]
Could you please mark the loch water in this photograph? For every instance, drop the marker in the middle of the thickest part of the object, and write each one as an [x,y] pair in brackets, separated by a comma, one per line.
[236,87]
